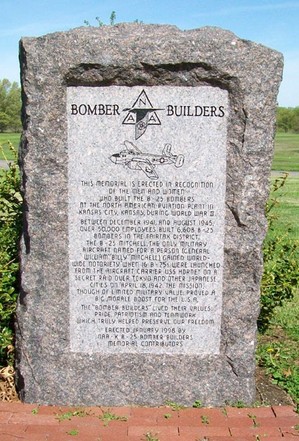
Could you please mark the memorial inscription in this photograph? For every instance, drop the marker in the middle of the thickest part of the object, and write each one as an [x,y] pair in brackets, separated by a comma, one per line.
[146,218]
[145,160]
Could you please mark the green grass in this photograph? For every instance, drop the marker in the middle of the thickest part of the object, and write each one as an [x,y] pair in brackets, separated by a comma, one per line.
[286,211]
[286,155]
[278,349]
[5,138]
[287,318]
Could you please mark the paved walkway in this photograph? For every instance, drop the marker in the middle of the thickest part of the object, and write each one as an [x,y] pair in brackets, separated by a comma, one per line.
[26,422]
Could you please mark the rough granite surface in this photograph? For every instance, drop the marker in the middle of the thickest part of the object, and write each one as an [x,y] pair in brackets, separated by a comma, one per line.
[146,55]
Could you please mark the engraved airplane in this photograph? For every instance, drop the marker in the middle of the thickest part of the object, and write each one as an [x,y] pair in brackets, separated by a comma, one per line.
[134,159]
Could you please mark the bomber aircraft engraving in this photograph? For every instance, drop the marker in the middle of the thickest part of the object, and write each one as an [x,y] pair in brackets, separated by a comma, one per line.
[135,159]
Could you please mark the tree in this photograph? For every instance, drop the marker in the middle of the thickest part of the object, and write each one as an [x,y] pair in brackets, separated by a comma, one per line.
[287,119]
[284,119]
[295,120]
[4,121]
[10,106]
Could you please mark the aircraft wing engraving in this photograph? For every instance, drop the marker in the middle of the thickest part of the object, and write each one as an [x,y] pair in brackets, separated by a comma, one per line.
[131,147]
[132,157]
[148,169]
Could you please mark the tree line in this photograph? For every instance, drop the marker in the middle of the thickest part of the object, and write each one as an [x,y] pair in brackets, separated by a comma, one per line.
[10,106]
[287,118]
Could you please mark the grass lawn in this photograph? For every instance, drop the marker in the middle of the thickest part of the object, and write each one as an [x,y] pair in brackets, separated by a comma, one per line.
[286,155]
[5,138]
[278,348]
[286,208]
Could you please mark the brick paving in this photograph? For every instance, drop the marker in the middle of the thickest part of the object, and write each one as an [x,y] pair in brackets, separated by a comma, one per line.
[28,422]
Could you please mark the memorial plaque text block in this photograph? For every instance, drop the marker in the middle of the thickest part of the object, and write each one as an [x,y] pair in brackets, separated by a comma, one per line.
[147,173]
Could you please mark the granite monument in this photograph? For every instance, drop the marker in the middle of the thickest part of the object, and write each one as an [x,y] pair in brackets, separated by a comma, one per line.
[145,161]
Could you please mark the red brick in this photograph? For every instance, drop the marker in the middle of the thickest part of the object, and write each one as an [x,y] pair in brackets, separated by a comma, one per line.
[160,411]
[20,424]
[47,410]
[42,414]
[23,418]
[59,410]
[220,438]
[16,406]
[263,432]
[83,421]
[48,429]
[251,438]
[279,422]
[186,431]
[120,411]
[165,433]
[277,438]
[131,438]
[228,438]
[144,411]
[5,417]
[154,416]
[4,437]
[233,412]
[240,422]
[65,436]
[289,430]
[87,421]
[287,437]
[213,413]
[89,433]
[260,422]
[191,434]
[144,416]
[109,437]
[63,409]
[210,411]
[17,430]
[205,422]
[168,419]
[196,417]
[190,411]
[261,412]
[57,415]
[282,411]
[112,437]
[34,437]
[120,430]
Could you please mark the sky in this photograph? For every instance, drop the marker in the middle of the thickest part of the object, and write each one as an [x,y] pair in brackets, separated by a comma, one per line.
[273,23]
